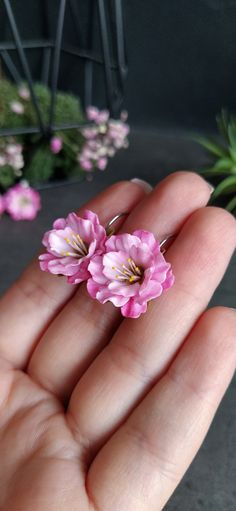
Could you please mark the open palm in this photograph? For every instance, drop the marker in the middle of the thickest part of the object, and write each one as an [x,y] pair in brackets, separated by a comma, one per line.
[99,414]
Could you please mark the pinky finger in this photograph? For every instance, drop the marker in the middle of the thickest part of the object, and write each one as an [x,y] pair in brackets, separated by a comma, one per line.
[140,466]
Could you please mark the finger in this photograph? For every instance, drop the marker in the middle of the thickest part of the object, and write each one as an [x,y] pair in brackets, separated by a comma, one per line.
[36,297]
[85,326]
[140,466]
[142,349]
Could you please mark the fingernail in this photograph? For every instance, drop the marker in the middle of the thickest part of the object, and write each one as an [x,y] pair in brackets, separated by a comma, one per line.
[211,187]
[144,185]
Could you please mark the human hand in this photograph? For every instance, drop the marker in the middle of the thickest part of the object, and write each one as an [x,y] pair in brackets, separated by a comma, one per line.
[100,414]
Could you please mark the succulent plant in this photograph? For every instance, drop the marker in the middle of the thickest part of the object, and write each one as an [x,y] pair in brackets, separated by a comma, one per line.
[222,153]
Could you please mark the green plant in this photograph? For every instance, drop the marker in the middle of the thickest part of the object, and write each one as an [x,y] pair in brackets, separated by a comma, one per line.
[71,152]
[223,160]
[39,162]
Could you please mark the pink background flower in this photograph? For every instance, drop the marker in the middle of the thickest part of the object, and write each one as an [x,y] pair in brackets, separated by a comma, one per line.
[130,273]
[102,139]
[23,92]
[55,144]
[22,202]
[17,107]
[71,244]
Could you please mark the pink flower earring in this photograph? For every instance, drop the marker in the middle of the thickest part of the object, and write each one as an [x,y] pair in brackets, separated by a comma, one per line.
[128,270]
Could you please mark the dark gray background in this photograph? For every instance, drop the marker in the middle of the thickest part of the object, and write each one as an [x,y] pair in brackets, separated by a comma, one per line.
[182,57]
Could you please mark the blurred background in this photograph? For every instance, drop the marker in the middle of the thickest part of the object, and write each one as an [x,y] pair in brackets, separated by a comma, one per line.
[181,71]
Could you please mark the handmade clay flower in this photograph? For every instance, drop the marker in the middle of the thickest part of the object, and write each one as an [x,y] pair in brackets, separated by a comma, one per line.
[131,272]
[71,244]
[2,204]
[22,202]
[55,144]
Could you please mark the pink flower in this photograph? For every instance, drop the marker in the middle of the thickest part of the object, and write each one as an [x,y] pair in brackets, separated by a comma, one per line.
[2,204]
[131,272]
[89,133]
[17,107]
[55,144]
[102,117]
[85,164]
[71,244]
[22,202]
[103,139]
[102,163]
[92,113]
[23,92]
[13,154]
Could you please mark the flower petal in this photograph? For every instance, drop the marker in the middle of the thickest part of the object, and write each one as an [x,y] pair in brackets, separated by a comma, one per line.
[132,309]
[147,238]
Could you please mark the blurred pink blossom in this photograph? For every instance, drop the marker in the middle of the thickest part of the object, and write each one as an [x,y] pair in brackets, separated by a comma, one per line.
[103,139]
[23,92]
[22,202]
[92,113]
[55,144]
[85,164]
[102,117]
[102,163]
[11,154]
[17,107]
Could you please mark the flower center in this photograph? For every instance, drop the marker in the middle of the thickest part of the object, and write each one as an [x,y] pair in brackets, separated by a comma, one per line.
[80,249]
[24,201]
[130,273]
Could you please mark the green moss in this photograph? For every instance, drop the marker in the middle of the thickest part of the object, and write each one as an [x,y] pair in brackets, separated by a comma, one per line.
[7,176]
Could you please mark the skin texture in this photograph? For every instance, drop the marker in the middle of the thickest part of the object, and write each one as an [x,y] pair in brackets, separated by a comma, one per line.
[99,413]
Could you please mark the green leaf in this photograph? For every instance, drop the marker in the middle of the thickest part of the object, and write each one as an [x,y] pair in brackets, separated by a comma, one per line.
[223,120]
[224,164]
[232,153]
[212,171]
[232,136]
[226,186]
[212,146]
[7,176]
[231,204]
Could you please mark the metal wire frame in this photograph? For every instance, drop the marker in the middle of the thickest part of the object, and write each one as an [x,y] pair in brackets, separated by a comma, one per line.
[52,51]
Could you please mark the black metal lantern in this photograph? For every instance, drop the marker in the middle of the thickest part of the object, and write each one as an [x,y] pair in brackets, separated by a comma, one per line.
[99,34]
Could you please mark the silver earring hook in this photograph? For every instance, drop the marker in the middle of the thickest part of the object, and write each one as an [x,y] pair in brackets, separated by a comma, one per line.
[109,229]
[164,243]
